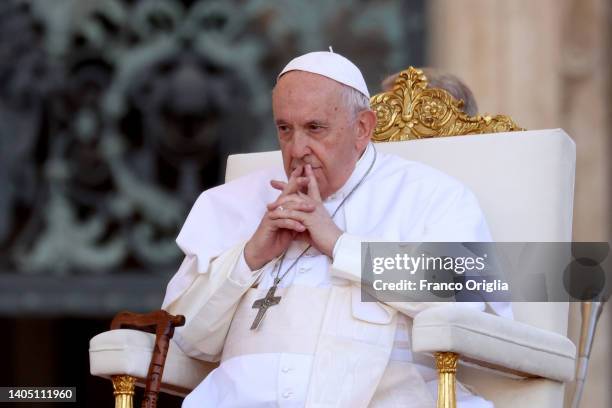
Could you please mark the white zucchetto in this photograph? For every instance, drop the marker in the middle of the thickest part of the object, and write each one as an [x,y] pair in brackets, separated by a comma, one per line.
[330,65]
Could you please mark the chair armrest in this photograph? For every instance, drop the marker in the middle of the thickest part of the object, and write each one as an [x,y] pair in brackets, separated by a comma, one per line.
[128,352]
[493,342]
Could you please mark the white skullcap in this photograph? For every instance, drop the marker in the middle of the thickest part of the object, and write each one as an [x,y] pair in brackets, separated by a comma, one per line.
[330,65]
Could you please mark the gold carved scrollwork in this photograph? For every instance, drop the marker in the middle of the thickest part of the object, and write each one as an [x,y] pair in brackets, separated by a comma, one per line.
[410,110]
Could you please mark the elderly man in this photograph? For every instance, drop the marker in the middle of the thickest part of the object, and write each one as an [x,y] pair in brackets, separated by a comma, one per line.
[270,282]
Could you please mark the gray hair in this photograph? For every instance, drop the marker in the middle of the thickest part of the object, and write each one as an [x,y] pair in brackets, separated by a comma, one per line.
[354,100]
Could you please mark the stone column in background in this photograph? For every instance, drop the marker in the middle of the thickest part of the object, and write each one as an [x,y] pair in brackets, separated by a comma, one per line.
[546,63]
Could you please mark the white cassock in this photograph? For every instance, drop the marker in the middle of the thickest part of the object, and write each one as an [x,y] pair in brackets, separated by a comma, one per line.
[321,346]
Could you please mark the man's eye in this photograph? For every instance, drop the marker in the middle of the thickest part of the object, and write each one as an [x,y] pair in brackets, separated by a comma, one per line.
[283,128]
[315,128]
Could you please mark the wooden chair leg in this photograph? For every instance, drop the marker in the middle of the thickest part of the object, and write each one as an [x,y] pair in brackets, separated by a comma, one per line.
[123,386]
[446,364]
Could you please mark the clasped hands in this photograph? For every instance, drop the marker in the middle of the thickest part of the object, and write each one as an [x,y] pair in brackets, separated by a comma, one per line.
[294,215]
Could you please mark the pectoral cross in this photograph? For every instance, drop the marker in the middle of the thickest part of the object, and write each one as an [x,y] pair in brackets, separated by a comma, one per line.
[263,304]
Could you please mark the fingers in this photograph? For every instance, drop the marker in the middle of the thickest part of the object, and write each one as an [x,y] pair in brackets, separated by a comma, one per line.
[303,236]
[292,184]
[289,224]
[281,185]
[292,211]
[278,185]
[313,187]
[294,202]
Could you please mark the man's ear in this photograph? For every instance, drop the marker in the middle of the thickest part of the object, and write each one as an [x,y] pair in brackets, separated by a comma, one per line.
[366,123]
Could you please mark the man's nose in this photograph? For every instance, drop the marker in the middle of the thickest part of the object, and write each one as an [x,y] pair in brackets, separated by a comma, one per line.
[300,147]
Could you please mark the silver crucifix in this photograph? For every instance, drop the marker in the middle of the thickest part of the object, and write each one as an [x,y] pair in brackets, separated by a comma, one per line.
[263,304]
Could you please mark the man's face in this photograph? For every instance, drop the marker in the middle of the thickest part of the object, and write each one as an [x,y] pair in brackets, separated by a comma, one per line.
[315,127]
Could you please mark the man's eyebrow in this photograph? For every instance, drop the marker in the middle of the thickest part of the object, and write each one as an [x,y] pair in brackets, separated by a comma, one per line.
[316,122]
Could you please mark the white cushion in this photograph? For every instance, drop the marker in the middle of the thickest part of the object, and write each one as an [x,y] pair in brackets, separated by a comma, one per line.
[128,352]
[490,340]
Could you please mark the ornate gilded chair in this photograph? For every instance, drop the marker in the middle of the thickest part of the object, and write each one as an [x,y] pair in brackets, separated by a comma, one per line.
[515,363]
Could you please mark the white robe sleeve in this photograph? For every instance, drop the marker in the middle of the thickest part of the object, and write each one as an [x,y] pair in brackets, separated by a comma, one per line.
[210,302]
